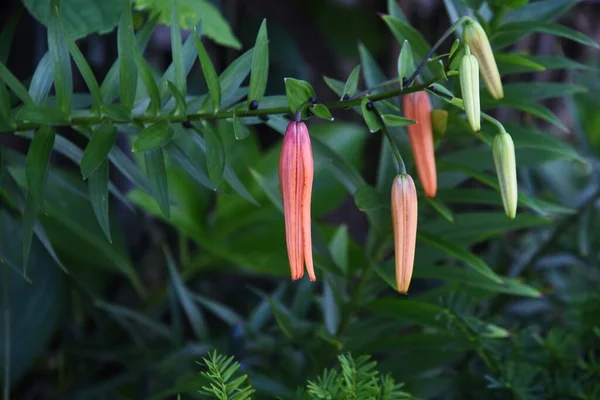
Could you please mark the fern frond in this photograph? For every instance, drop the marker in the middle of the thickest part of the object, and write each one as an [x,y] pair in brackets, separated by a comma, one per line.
[224,384]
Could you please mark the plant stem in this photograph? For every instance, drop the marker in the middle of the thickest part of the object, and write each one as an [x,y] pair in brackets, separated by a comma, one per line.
[433,49]
[207,116]
[392,142]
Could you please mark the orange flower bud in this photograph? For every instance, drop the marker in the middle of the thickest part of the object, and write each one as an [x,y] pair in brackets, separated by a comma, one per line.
[296,171]
[404,219]
[417,107]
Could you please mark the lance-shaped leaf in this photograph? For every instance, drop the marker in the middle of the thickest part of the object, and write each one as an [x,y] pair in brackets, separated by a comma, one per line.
[321,111]
[153,137]
[396,120]
[6,118]
[240,130]
[42,80]
[157,178]
[406,63]
[352,82]
[98,192]
[176,50]
[298,93]
[127,68]
[15,85]
[149,82]
[260,65]
[215,154]
[180,104]
[38,162]
[370,116]
[87,74]
[210,75]
[42,115]
[98,148]
[57,47]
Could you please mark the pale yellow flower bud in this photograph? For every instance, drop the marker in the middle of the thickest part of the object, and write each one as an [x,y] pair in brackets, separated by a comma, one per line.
[477,40]
[503,149]
[469,86]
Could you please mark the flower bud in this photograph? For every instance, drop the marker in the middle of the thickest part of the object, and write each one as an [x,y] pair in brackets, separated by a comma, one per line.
[469,86]
[404,220]
[417,107]
[296,171]
[503,149]
[477,40]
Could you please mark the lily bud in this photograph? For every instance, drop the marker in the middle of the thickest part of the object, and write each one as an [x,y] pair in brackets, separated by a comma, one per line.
[417,107]
[469,86]
[404,219]
[503,149]
[296,171]
[477,40]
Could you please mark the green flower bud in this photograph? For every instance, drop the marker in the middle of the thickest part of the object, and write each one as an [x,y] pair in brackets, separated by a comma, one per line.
[469,86]
[477,40]
[503,149]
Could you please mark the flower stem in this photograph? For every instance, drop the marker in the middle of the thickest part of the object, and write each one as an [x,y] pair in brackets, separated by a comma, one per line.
[392,143]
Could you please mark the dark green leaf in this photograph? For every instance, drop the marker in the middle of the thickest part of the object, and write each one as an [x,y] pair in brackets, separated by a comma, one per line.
[396,120]
[372,74]
[86,73]
[215,154]
[8,32]
[188,54]
[225,313]
[179,158]
[510,33]
[338,247]
[269,188]
[42,115]
[260,65]
[149,82]
[526,106]
[510,63]
[534,91]
[406,62]
[345,173]
[370,115]
[176,50]
[15,85]
[180,104]
[29,219]
[127,68]
[233,76]
[98,191]
[42,80]
[210,75]
[38,162]
[117,112]
[6,118]
[153,137]
[321,111]
[61,62]
[441,208]
[98,148]
[335,85]
[540,10]
[157,178]
[298,93]
[461,254]
[240,130]
[352,82]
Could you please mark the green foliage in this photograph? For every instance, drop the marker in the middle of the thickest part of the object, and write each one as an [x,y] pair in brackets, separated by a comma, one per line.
[225,382]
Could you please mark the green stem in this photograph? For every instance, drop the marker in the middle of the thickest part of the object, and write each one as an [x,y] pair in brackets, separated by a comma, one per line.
[207,116]
[392,143]
[6,323]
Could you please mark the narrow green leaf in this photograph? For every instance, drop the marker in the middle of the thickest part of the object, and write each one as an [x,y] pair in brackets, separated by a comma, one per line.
[210,75]
[396,120]
[461,254]
[540,10]
[128,168]
[180,104]
[127,68]
[226,314]
[372,73]
[8,32]
[346,174]
[98,191]
[186,300]
[240,130]
[176,50]
[37,164]
[87,74]
[321,111]
[298,93]
[42,80]
[122,314]
[215,154]
[98,148]
[331,310]
[441,208]
[369,115]
[335,85]
[338,247]
[260,65]
[509,33]
[149,82]
[406,63]
[529,107]
[42,115]
[15,85]
[188,56]
[57,47]
[153,137]
[117,112]
[156,173]
[29,217]
[511,63]
[6,118]
[179,158]
[270,190]
[352,82]
[535,91]
[394,10]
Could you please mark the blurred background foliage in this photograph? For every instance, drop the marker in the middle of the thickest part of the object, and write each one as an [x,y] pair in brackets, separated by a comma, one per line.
[133,314]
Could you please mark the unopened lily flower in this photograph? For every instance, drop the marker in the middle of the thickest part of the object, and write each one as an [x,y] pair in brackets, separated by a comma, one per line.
[404,220]
[296,171]
[503,149]
[469,86]
[417,107]
[479,43]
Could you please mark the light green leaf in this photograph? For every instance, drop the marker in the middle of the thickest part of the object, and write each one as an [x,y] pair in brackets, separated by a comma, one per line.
[370,115]
[180,104]
[406,63]
[179,71]
[149,82]
[396,120]
[87,74]
[338,247]
[352,82]
[260,65]
[97,150]
[321,111]
[15,85]
[240,130]
[61,62]
[210,75]
[42,115]
[153,137]
[98,191]
[157,178]
[335,85]
[510,63]
[509,33]
[441,208]
[215,154]
[42,80]
[372,73]
[298,93]
[117,112]
[188,58]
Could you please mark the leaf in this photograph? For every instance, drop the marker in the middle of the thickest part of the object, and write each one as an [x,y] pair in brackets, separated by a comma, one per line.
[121,314]
[335,85]
[510,63]
[61,62]
[149,82]
[179,158]
[461,254]
[157,179]
[240,130]
[42,80]
[226,314]
[215,155]
[321,111]
[179,71]
[42,115]
[8,32]
[534,91]
[98,148]
[527,107]
[86,73]
[441,208]
[6,118]
[396,120]
[188,57]
[539,10]
[260,65]
[38,162]
[370,115]
[98,191]
[210,75]
[15,85]
[406,63]
[180,104]
[186,300]
[153,137]
[127,67]
[117,112]
[298,93]
[29,220]
[345,173]
[231,79]
[352,82]
[331,311]
[338,247]
[372,74]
